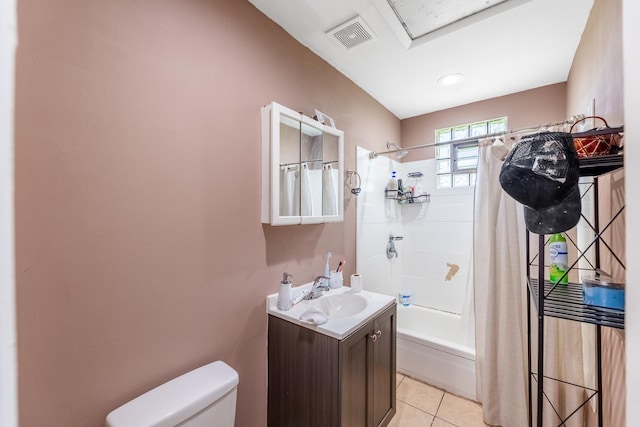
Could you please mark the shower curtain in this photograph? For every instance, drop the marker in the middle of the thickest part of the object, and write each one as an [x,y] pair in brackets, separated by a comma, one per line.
[500,309]
[499,294]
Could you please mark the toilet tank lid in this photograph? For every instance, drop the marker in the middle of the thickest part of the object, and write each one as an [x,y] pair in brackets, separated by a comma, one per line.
[176,400]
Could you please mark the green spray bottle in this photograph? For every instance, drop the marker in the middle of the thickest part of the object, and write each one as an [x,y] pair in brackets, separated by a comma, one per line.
[558,259]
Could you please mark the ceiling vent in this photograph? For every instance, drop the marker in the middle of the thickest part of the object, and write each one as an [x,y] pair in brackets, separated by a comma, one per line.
[352,33]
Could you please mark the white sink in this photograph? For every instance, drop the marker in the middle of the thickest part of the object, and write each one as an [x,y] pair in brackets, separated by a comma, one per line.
[346,311]
[337,306]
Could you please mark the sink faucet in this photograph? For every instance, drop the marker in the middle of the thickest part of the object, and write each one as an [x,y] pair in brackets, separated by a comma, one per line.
[319,286]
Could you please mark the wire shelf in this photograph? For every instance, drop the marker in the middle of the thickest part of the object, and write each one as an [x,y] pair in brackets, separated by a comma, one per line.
[565,301]
[594,166]
[406,198]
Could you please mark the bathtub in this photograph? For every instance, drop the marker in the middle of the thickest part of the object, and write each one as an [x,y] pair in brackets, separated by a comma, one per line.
[433,347]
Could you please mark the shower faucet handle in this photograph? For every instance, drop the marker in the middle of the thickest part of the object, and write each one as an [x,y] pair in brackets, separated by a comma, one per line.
[392,237]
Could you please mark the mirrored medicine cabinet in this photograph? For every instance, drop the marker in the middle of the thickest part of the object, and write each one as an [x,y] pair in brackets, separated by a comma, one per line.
[302,166]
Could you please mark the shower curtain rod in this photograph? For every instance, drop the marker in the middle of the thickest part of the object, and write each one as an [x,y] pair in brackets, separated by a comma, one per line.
[308,161]
[570,121]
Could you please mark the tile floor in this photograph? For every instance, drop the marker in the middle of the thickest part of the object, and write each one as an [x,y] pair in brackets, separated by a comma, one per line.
[421,405]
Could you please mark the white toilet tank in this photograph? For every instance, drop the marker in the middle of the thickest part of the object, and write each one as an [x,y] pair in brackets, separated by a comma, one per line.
[201,398]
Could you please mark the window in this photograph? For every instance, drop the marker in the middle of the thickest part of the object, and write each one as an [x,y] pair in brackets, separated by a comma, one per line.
[456,162]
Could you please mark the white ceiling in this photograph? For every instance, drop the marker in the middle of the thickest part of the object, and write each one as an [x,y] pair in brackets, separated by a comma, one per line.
[513,46]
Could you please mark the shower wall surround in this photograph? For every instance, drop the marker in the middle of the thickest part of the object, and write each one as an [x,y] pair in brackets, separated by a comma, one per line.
[435,256]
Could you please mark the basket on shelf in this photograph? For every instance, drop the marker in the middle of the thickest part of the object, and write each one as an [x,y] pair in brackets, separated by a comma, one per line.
[600,144]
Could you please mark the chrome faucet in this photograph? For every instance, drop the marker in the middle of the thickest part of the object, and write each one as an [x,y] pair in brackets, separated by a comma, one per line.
[391,247]
[391,250]
[320,285]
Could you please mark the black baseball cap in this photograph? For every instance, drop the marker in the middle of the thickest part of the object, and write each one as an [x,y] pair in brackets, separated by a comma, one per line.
[542,173]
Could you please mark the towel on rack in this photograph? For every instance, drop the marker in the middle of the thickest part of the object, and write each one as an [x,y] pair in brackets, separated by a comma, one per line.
[306,194]
[289,192]
[329,191]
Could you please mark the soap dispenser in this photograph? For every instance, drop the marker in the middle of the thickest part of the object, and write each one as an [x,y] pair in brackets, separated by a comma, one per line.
[284,296]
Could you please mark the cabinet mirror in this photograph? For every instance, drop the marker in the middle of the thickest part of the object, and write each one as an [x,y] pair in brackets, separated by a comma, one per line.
[302,166]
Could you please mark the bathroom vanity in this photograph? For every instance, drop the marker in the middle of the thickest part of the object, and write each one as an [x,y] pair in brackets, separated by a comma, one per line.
[320,377]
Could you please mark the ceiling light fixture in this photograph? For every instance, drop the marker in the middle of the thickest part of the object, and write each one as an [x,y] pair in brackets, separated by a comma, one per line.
[450,79]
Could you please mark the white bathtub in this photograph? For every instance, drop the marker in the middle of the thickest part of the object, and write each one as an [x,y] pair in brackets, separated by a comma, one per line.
[433,346]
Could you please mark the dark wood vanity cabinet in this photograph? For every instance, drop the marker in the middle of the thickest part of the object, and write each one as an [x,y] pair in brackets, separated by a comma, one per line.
[319,381]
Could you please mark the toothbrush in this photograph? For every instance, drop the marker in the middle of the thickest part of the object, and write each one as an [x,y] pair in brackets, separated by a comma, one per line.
[341,265]
[326,266]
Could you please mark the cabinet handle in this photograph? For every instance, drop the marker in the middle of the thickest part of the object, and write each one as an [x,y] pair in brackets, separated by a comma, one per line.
[374,336]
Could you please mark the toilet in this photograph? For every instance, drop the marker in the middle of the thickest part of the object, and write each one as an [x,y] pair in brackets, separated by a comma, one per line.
[205,396]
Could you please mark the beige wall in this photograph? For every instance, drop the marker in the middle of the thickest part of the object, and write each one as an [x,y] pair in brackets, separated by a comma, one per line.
[529,108]
[140,253]
[596,71]
[596,74]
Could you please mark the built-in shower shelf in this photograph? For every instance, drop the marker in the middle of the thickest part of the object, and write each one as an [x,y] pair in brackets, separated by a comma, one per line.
[565,301]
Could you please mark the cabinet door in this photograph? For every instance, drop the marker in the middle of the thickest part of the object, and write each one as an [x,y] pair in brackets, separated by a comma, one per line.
[302,377]
[326,145]
[368,373]
[311,171]
[356,361]
[280,165]
[384,367]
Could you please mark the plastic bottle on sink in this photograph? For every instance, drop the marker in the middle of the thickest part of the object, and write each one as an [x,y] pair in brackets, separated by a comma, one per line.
[285,301]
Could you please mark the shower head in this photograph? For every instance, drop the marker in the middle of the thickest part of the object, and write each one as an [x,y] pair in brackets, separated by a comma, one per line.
[399,154]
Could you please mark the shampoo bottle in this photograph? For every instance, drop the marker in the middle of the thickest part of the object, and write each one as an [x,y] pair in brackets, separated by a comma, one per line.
[285,300]
[558,259]
[392,187]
